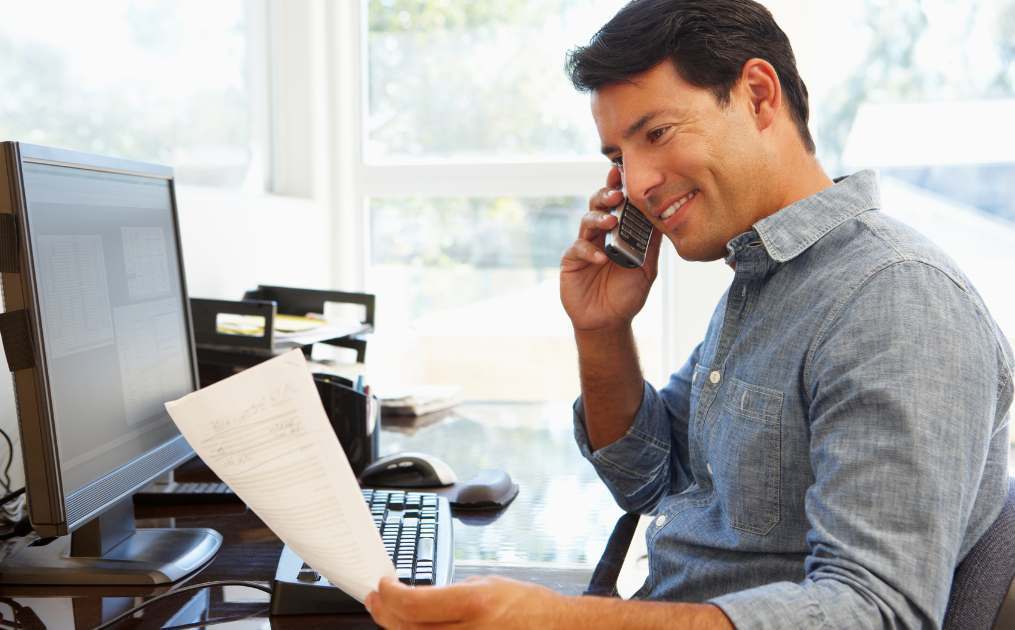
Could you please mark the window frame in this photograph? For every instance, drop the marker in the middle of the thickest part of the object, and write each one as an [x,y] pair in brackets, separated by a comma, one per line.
[352,180]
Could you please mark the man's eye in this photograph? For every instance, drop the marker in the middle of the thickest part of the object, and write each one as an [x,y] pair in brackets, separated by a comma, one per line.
[656,134]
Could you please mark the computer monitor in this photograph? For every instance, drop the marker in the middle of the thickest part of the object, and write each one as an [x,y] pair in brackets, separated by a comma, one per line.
[98,336]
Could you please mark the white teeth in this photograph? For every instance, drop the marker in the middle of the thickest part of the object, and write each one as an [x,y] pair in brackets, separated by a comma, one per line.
[669,212]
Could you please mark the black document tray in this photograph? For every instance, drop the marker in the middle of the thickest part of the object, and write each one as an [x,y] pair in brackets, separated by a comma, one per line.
[220,352]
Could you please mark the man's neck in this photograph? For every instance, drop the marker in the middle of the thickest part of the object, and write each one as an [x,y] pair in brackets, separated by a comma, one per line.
[804,177]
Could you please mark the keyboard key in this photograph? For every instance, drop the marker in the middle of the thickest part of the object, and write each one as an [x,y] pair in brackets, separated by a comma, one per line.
[424,579]
[425,549]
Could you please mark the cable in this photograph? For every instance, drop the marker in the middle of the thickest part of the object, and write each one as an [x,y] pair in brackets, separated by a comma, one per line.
[11,496]
[182,589]
[10,460]
[217,620]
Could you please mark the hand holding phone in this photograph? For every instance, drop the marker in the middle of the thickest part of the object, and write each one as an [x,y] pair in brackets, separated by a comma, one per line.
[598,294]
[627,243]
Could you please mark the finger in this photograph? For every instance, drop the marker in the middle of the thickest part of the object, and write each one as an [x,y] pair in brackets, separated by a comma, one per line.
[606,199]
[594,225]
[425,604]
[581,254]
[614,178]
[381,614]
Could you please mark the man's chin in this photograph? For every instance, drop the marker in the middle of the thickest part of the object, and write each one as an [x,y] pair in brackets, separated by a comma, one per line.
[694,252]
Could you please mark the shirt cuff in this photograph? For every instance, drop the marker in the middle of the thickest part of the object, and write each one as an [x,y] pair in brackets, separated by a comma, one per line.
[776,605]
[629,464]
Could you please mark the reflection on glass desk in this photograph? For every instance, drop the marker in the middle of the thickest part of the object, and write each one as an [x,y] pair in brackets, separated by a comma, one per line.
[552,534]
[563,508]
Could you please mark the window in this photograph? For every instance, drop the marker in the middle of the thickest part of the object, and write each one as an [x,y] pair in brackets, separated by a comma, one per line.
[474,81]
[161,81]
[478,158]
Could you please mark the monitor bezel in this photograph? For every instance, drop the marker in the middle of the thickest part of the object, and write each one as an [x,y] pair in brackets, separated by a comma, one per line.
[51,512]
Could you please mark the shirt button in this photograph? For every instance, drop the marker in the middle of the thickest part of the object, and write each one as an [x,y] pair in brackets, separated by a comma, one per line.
[708,466]
[660,520]
[715,377]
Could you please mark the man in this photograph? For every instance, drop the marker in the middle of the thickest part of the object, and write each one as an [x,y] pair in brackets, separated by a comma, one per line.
[838,441]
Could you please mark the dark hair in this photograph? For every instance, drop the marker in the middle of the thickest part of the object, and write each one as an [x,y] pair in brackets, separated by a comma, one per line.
[708,41]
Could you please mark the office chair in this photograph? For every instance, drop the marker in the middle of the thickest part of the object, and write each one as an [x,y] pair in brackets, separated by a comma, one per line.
[983,588]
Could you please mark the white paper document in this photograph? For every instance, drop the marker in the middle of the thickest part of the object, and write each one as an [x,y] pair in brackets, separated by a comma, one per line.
[264,432]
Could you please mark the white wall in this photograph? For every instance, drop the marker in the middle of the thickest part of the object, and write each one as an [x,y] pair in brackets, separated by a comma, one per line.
[234,241]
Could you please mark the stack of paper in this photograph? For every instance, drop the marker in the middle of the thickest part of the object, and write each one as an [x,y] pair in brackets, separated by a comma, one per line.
[420,400]
[265,433]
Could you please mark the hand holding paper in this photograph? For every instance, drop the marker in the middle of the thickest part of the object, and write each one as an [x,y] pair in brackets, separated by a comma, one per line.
[265,433]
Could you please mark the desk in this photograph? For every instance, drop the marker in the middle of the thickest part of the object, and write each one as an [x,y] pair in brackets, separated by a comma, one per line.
[552,534]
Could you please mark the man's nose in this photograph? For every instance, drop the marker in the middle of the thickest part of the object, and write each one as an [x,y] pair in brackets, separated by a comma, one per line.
[640,181]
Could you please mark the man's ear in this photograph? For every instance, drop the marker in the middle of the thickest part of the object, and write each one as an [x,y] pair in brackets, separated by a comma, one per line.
[760,84]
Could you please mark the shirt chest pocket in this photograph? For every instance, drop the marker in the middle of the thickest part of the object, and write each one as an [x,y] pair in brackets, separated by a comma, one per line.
[746,456]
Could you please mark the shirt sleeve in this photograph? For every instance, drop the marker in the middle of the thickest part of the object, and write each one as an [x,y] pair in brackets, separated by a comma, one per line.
[649,461]
[908,391]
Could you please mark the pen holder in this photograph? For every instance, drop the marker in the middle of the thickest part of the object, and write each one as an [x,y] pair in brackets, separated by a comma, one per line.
[354,416]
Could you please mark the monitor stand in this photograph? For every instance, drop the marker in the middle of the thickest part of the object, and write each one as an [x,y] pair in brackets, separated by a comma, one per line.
[110,550]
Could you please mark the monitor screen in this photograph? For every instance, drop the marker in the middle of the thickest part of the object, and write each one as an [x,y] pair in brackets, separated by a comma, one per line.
[111,313]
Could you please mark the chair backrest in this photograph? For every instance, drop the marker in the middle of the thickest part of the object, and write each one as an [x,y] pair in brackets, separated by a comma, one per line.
[983,593]
[604,579]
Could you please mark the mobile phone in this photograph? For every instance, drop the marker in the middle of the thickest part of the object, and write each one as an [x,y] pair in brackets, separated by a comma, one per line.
[627,243]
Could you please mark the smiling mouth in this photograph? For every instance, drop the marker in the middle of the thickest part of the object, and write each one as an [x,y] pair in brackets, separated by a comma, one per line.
[678,204]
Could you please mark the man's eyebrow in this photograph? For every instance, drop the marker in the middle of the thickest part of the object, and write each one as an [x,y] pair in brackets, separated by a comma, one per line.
[635,127]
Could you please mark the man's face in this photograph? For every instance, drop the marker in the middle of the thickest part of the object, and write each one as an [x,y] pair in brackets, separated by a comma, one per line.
[691,165]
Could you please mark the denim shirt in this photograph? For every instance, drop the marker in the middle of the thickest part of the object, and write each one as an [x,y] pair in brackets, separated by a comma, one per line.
[839,440]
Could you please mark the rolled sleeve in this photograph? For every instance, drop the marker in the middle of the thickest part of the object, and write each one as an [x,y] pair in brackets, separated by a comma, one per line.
[776,606]
[634,467]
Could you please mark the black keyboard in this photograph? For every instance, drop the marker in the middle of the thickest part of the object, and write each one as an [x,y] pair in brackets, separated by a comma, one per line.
[416,530]
[186,492]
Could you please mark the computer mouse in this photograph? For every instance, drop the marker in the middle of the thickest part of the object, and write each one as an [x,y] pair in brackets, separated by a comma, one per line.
[488,489]
[407,470]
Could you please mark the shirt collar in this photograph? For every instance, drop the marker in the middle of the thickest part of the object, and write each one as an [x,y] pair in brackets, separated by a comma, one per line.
[790,231]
